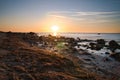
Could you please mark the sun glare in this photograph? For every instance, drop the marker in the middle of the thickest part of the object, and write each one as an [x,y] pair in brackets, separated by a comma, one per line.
[54,33]
[55,29]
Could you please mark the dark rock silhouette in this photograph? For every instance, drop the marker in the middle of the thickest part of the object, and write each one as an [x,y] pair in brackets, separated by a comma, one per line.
[113,45]
[101,42]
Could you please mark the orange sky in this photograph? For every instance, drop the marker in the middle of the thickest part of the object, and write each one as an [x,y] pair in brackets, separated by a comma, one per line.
[65,24]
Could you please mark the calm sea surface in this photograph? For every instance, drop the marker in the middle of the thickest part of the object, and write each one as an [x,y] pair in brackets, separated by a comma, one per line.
[90,36]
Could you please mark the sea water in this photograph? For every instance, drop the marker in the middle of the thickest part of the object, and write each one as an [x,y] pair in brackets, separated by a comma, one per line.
[89,36]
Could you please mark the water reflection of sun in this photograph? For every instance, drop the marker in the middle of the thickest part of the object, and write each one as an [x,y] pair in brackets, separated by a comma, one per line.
[55,30]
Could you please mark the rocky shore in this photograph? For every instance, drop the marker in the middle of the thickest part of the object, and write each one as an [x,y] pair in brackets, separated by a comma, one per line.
[27,56]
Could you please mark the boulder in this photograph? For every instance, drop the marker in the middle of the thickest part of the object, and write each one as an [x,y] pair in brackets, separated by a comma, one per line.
[92,45]
[100,41]
[100,44]
[107,53]
[95,46]
[113,45]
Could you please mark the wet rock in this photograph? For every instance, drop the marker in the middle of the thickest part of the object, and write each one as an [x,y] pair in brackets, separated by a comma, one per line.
[95,46]
[116,56]
[113,45]
[99,46]
[78,46]
[72,41]
[83,52]
[92,45]
[78,39]
[85,45]
[93,57]
[87,59]
[107,53]
[100,41]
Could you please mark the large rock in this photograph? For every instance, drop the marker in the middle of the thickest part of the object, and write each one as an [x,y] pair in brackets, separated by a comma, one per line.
[95,46]
[92,45]
[100,44]
[100,41]
[113,45]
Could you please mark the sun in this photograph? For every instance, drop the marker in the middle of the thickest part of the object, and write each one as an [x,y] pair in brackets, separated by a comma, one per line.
[54,28]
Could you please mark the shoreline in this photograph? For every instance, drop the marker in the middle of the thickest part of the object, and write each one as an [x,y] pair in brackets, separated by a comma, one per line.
[70,48]
[89,36]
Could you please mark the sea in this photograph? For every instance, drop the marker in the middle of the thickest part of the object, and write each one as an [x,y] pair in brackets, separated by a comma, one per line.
[89,36]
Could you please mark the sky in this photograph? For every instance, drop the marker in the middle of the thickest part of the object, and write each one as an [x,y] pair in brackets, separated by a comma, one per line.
[91,16]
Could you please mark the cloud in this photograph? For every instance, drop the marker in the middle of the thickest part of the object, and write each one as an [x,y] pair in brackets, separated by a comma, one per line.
[89,17]
[58,16]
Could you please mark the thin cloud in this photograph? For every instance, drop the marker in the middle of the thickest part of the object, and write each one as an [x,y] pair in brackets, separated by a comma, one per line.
[90,17]
[58,16]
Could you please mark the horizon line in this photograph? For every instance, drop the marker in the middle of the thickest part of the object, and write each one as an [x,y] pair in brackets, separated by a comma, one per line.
[65,32]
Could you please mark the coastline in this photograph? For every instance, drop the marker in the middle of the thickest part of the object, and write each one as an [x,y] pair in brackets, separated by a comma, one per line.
[65,52]
[90,36]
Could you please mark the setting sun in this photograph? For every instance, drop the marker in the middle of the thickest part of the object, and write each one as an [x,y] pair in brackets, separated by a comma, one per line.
[55,28]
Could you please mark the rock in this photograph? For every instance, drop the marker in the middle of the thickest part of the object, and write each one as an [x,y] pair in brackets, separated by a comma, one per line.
[72,41]
[87,59]
[85,45]
[100,41]
[93,57]
[78,39]
[78,46]
[100,44]
[116,56]
[107,53]
[113,45]
[95,46]
[92,45]
[83,52]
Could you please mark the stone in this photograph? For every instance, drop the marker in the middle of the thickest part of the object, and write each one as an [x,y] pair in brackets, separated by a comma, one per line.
[113,45]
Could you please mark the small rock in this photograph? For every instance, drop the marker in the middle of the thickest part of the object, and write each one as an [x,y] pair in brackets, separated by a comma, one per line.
[107,53]
[87,59]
